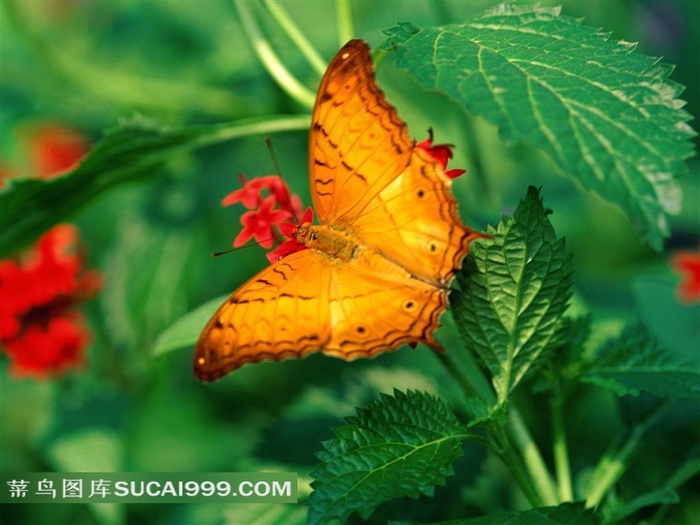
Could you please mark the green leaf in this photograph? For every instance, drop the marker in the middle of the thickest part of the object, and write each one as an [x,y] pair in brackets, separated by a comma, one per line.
[634,362]
[184,332]
[481,411]
[133,151]
[514,290]
[139,300]
[661,496]
[90,450]
[398,446]
[564,514]
[607,115]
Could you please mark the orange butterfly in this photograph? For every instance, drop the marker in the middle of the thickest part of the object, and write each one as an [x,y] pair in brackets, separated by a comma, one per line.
[377,269]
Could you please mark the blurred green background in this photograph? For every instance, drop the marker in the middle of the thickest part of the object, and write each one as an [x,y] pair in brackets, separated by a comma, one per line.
[87,64]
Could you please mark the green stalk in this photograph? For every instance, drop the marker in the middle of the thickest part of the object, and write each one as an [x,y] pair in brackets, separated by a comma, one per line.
[474,150]
[270,60]
[504,449]
[530,472]
[561,449]
[522,440]
[346,31]
[297,36]
[519,472]
[215,133]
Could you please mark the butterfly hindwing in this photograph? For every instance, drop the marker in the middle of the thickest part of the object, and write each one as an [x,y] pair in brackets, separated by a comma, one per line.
[375,306]
[414,220]
[281,312]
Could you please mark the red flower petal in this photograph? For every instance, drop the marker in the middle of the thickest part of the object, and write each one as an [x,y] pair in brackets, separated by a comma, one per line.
[687,263]
[259,224]
[440,152]
[284,249]
[42,351]
[55,149]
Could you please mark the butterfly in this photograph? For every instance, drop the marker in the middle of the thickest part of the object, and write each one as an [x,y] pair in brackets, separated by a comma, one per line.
[377,269]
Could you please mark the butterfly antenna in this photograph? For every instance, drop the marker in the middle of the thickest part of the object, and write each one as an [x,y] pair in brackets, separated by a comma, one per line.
[217,254]
[237,248]
[285,186]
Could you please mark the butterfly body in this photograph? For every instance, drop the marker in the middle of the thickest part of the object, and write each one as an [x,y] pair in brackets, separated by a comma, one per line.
[334,243]
[376,272]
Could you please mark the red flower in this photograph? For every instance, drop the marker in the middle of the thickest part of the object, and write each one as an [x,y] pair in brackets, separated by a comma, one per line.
[688,265]
[259,224]
[39,328]
[291,245]
[55,149]
[440,152]
[49,349]
[270,202]
[5,174]
[251,195]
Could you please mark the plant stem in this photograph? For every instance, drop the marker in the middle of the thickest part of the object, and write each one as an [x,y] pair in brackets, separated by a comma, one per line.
[518,471]
[297,36]
[346,31]
[561,449]
[271,61]
[531,455]
[610,469]
[215,133]
[537,486]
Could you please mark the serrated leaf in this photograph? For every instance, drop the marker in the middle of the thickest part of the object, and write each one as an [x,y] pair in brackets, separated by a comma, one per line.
[133,151]
[481,411]
[634,362]
[514,290]
[564,514]
[606,114]
[398,446]
[565,363]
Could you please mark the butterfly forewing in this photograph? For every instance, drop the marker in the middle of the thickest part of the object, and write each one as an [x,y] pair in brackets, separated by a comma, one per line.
[368,178]
[357,143]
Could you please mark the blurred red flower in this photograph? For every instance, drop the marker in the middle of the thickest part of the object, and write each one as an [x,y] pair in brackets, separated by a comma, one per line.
[687,264]
[54,149]
[40,330]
